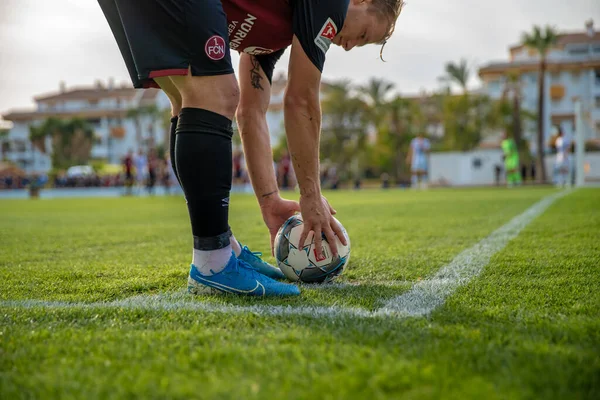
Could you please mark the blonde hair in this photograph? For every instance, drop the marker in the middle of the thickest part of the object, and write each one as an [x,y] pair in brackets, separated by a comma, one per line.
[390,9]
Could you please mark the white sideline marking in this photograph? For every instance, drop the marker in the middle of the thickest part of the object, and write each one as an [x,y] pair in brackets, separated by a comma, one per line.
[431,293]
[420,300]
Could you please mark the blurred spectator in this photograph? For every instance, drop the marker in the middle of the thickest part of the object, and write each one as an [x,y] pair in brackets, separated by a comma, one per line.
[141,169]
[385,180]
[128,169]
[562,162]
[152,170]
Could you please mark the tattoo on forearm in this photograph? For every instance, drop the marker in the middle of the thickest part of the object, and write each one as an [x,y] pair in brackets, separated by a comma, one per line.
[255,77]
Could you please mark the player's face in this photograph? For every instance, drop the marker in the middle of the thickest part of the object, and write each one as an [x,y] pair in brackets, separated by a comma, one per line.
[362,26]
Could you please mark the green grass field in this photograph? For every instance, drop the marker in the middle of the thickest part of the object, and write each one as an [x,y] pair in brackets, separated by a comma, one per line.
[80,279]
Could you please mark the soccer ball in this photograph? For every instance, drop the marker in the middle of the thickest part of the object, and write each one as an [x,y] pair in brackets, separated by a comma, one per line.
[304,264]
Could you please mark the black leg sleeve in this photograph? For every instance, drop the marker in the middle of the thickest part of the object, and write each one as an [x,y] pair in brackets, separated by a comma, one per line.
[204,163]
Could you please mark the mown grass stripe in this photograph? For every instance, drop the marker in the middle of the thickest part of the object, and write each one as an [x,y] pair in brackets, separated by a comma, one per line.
[420,300]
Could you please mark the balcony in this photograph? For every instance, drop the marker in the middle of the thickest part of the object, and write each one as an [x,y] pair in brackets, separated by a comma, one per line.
[557,92]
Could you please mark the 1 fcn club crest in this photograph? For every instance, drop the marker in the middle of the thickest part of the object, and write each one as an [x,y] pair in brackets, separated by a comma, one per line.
[215,48]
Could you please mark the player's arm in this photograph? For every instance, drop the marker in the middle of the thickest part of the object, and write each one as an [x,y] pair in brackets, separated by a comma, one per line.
[251,116]
[302,115]
[302,111]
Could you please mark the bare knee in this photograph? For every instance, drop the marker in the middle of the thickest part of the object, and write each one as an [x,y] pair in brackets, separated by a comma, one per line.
[219,93]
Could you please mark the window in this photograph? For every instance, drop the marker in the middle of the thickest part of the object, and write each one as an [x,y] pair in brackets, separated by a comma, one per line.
[19,146]
[596,49]
[597,76]
[94,122]
[575,76]
[598,129]
[597,101]
[555,76]
[578,51]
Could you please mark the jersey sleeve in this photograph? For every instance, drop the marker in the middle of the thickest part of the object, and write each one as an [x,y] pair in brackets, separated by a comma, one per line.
[316,23]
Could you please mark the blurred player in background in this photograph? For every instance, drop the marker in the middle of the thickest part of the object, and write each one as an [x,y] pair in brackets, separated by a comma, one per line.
[183,47]
[141,170]
[512,165]
[562,166]
[128,170]
[417,158]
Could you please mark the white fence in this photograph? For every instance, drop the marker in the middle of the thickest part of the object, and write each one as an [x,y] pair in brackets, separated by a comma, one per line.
[479,167]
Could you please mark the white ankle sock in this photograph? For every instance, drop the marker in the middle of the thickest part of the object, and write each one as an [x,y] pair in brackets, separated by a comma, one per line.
[212,261]
[235,245]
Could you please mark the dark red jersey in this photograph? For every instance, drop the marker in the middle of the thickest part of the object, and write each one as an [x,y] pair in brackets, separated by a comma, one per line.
[262,27]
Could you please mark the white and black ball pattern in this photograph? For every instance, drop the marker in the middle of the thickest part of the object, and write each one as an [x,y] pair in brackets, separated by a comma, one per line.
[302,263]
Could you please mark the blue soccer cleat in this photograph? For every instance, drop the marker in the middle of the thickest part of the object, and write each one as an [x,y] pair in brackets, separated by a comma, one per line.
[239,278]
[253,258]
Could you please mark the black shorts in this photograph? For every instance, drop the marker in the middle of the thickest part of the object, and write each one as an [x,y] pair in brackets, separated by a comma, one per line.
[167,37]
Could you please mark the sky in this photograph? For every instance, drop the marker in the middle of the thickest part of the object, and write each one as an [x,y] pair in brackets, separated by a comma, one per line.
[43,42]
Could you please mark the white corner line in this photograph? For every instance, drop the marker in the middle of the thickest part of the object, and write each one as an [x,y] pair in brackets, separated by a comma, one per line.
[424,296]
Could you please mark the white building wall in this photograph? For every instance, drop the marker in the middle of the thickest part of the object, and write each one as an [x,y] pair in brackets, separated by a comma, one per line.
[464,168]
[24,154]
[105,147]
[583,86]
[460,169]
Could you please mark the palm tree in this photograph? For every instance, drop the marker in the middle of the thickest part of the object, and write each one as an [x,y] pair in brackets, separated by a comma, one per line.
[512,93]
[4,145]
[71,140]
[406,120]
[154,114]
[136,115]
[375,93]
[344,125]
[457,73]
[541,40]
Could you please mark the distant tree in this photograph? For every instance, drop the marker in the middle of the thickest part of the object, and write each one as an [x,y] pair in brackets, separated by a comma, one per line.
[138,115]
[375,94]
[458,73]
[541,40]
[514,116]
[4,145]
[465,119]
[512,94]
[405,122]
[71,140]
[155,118]
[344,127]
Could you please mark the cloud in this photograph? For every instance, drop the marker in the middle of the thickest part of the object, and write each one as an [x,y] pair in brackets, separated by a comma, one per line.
[44,42]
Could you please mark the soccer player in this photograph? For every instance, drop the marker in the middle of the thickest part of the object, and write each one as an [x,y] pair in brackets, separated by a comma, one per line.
[417,159]
[562,162]
[128,168]
[512,166]
[141,169]
[183,48]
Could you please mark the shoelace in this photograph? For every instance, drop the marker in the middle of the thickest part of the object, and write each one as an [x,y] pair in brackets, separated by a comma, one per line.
[245,265]
[257,254]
